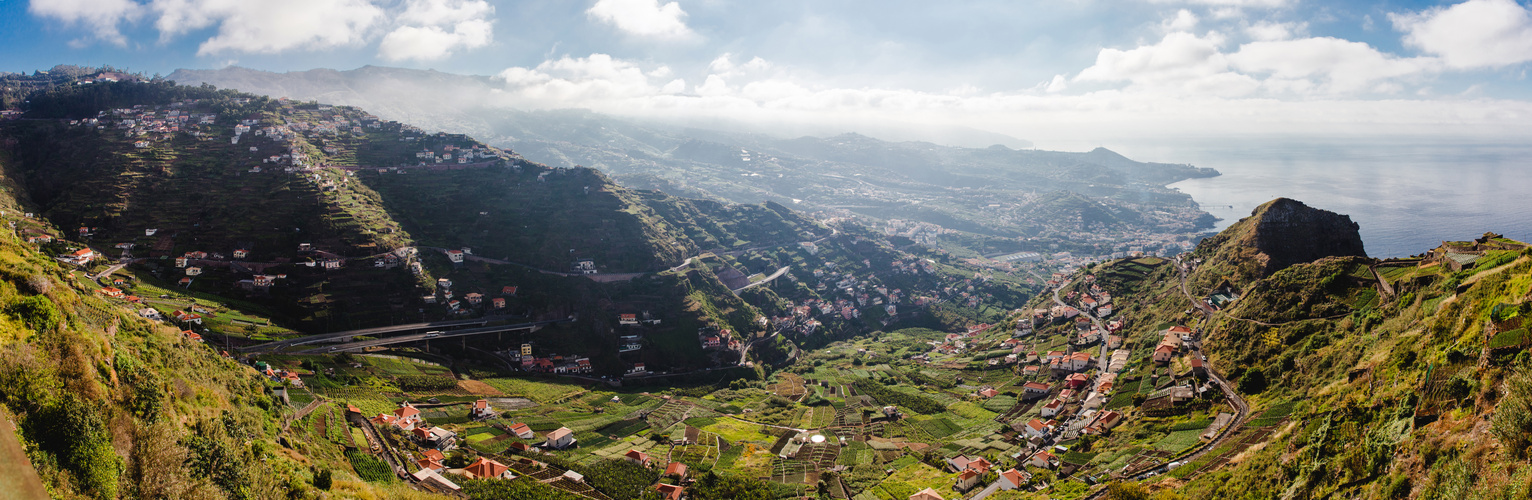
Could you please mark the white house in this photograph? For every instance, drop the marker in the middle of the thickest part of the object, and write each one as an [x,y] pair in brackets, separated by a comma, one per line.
[561,438]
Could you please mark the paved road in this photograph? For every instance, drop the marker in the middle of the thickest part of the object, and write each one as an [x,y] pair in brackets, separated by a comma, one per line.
[400,339]
[364,332]
[768,279]
[108,273]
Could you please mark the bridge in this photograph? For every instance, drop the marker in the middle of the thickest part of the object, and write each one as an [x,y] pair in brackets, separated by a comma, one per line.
[417,337]
[364,332]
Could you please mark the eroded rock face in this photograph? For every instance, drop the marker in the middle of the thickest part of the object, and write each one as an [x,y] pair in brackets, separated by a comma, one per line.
[1288,232]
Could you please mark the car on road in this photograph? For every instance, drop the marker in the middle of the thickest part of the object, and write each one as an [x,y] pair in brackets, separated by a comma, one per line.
[431,335]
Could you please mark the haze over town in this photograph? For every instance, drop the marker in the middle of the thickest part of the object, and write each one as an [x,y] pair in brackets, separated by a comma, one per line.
[1062,75]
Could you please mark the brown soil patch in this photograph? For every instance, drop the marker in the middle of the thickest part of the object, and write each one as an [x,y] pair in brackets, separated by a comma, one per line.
[480,388]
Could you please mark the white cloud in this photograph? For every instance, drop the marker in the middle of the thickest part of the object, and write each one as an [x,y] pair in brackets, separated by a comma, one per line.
[597,78]
[433,29]
[643,17]
[1472,34]
[1343,66]
[1180,62]
[269,26]
[1058,84]
[1268,31]
[1201,103]
[1231,3]
[100,17]
[1185,20]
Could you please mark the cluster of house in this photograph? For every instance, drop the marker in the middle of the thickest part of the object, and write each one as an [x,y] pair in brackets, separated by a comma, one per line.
[955,343]
[714,338]
[194,264]
[675,470]
[471,300]
[1170,344]
[141,120]
[450,152]
[643,318]
[278,375]
[913,266]
[553,363]
[922,232]
[79,257]
[1064,423]
[434,441]
[971,470]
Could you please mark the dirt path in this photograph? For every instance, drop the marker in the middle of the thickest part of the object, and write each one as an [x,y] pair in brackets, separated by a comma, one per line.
[18,480]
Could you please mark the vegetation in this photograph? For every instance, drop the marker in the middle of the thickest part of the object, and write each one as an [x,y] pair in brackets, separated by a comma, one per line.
[916,403]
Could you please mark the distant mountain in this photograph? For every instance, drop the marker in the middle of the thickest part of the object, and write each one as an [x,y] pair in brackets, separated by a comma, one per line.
[372,222]
[993,192]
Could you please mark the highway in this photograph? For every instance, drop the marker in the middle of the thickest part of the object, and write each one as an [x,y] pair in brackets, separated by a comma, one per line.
[417,337]
[364,332]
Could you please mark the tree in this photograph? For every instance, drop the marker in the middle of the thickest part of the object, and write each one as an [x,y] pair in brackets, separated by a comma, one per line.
[457,460]
[1254,382]
[323,479]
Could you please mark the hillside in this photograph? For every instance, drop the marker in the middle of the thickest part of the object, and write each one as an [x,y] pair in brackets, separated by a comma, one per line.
[988,195]
[1395,378]
[112,405]
[282,216]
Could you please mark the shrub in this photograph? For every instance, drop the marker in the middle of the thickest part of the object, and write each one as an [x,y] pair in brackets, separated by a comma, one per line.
[36,311]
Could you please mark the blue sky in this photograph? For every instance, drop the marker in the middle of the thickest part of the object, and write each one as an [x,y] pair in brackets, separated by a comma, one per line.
[1064,68]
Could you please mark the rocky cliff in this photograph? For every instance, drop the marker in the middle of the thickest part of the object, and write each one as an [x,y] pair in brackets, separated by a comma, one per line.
[1277,235]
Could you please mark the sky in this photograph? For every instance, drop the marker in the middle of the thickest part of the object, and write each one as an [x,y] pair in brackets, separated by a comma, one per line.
[1057,72]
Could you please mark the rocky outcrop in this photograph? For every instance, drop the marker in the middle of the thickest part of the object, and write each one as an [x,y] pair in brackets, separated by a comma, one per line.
[1288,232]
[1277,235]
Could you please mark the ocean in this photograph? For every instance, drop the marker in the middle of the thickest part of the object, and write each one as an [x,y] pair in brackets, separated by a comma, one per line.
[1408,195]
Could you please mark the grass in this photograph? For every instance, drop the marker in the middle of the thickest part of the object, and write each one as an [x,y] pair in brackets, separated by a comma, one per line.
[544,392]
[1510,338]
[1179,440]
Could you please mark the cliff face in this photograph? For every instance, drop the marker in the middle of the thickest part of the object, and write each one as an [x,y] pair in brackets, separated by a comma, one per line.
[1278,234]
[1288,232]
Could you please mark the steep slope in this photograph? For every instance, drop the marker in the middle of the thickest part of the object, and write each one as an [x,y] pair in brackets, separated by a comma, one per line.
[112,405]
[1364,379]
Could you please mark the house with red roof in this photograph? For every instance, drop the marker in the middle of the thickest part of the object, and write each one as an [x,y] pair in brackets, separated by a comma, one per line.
[1042,459]
[488,469]
[407,416]
[1076,380]
[1012,479]
[670,491]
[1034,390]
[636,457]
[966,480]
[481,410]
[676,470]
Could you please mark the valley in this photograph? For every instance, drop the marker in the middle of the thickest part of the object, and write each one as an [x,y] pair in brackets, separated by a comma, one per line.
[212,294]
